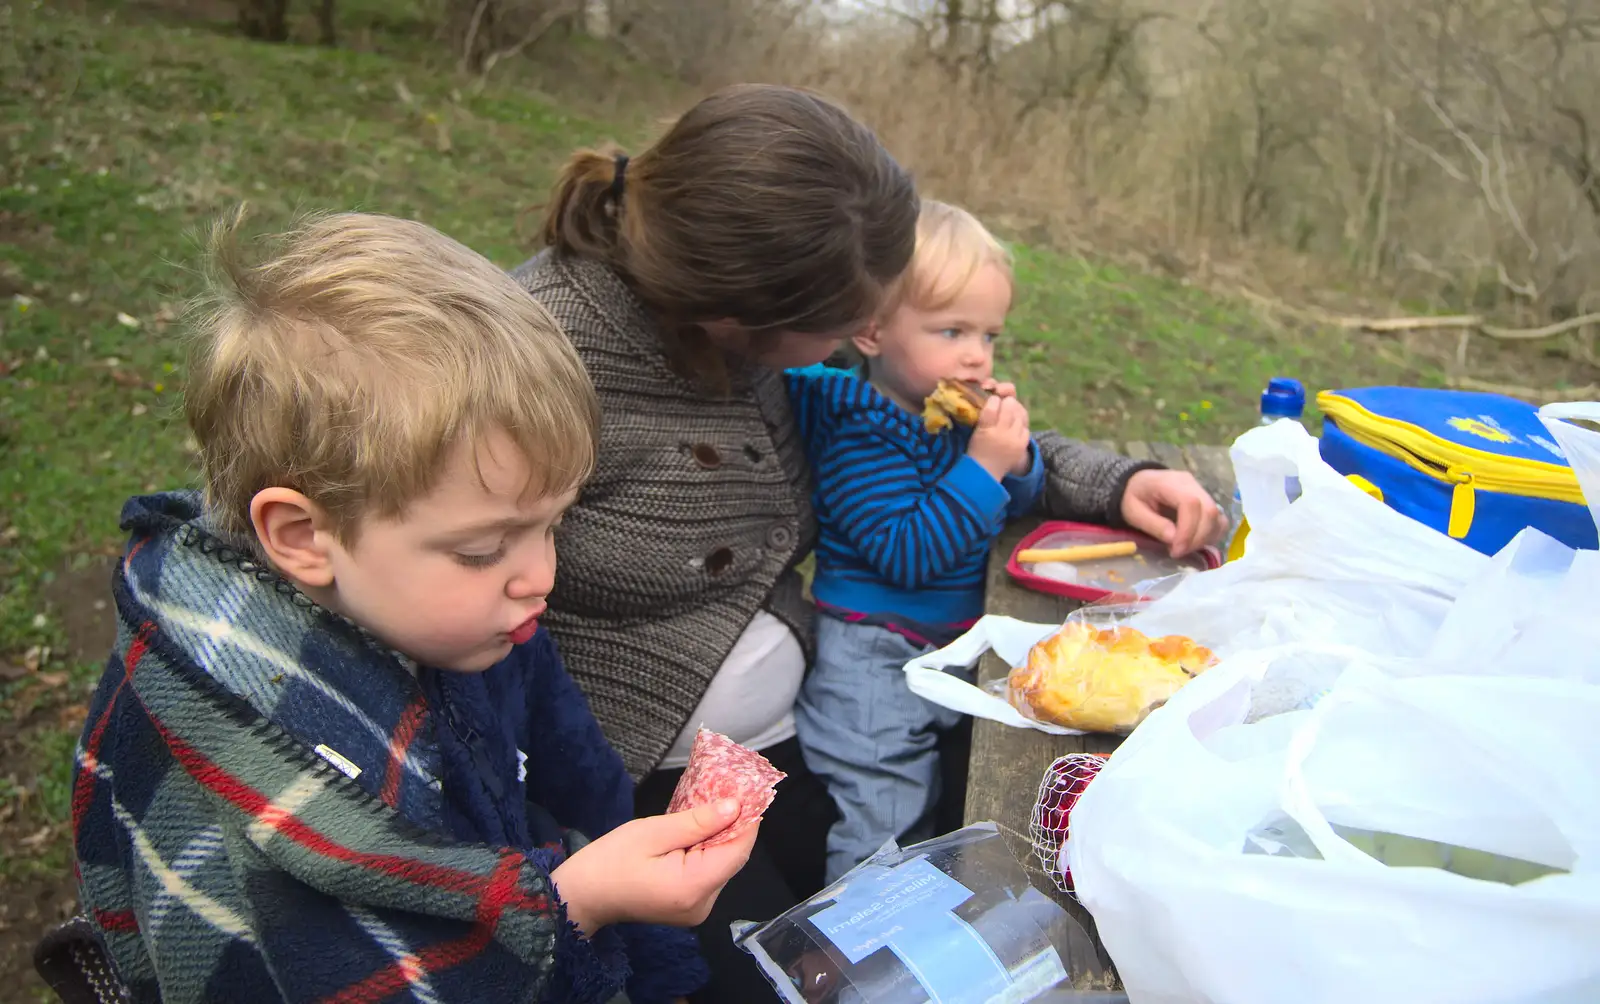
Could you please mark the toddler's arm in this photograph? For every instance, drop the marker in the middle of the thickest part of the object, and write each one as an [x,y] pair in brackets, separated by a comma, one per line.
[911,535]
[1026,489]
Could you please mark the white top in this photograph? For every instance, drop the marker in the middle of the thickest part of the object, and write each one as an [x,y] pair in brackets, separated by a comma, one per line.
[751,698]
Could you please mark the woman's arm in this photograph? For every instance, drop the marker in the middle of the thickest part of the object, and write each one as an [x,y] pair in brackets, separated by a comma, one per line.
[1083,483]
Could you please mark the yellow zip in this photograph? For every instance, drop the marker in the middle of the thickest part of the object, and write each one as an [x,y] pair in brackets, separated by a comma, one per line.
[1463,466]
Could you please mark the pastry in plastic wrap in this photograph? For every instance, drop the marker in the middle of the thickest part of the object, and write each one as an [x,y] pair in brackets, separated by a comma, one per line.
[1103,680]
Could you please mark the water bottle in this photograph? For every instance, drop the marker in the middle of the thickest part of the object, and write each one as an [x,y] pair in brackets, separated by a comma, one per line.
[1284,398]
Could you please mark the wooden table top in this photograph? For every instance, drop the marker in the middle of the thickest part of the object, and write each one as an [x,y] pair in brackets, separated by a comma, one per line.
[1008,763]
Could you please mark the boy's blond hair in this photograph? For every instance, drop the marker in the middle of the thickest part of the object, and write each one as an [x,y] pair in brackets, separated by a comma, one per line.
[951,247]
[349,364]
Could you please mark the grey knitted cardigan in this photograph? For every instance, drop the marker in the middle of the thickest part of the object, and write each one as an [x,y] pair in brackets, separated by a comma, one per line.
[697,515]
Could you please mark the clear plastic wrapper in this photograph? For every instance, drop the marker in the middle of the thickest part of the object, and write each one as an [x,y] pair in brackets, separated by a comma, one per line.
[1119,574]
[952,919]
[1099,672]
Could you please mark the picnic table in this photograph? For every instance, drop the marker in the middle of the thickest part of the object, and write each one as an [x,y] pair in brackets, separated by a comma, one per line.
[1006,764]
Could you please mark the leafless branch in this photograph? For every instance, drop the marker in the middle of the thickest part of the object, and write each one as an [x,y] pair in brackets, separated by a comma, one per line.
[1536,334]
[535,31]
[468,47]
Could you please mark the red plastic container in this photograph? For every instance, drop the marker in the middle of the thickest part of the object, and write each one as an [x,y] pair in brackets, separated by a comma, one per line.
[1100,578]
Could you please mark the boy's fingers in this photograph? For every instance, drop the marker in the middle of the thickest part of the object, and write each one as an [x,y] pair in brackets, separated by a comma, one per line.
[681,830]
[725,860]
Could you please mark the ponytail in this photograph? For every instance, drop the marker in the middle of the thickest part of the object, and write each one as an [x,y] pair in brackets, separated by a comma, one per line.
[581,218]
[762,205]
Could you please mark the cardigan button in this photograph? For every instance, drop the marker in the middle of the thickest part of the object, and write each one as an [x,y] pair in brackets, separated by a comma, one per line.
[719,561]
[706,455]
[780,537]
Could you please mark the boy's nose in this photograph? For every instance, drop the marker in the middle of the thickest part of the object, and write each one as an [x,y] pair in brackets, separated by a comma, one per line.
[531,583]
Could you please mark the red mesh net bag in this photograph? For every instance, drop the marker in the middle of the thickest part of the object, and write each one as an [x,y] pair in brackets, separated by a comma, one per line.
[1058,793]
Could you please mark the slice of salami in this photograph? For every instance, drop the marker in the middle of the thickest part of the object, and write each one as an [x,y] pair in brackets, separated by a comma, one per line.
[721,768]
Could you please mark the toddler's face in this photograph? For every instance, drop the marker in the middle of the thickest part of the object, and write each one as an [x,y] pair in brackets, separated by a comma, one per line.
[464,573]
[913,349]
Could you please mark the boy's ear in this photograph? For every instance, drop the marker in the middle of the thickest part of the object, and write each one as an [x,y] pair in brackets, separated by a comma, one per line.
[867,341]
[294,536]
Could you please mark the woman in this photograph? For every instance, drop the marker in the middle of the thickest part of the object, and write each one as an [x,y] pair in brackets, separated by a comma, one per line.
[758,233]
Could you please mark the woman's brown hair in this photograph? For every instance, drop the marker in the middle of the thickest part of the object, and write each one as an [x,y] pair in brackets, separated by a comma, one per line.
[766,205]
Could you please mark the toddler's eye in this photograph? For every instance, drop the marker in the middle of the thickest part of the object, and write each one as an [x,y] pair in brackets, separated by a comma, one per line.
[480,560]
[951,333]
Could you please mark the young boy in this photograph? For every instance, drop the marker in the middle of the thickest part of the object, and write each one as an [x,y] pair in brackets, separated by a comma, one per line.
[907,518]
[334,756]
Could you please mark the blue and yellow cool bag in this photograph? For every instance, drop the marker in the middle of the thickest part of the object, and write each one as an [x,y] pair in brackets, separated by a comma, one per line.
[1479,467]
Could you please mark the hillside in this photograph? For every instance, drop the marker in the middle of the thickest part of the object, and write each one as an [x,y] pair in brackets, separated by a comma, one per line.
[127,127]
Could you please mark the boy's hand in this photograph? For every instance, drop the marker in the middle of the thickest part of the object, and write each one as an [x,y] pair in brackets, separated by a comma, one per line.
[646,871]
[1000,440]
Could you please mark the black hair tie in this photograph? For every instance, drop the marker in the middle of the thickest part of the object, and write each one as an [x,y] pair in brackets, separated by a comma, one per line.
[618,175]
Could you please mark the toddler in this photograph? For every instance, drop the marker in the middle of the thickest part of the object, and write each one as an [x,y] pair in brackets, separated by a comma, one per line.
[907,518]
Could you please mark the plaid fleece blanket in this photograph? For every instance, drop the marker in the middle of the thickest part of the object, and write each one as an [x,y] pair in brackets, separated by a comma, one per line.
[258,810]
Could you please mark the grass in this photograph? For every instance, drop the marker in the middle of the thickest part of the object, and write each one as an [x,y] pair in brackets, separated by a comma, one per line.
[124,130]
[1103,353]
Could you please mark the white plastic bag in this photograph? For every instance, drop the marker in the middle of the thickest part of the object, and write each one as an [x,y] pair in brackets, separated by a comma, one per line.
[1581,446]
[1334,565]
[1011,639]
[1533,611]
[1497,765]
[1532,614]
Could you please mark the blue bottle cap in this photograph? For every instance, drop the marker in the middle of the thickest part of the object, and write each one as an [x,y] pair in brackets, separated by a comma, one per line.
[1284,398]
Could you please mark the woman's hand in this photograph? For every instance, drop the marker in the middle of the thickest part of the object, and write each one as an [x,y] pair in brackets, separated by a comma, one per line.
[649,870]
[1172,507]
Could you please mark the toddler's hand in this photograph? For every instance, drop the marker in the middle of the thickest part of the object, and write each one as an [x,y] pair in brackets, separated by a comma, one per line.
[997,388]
[1000,441]
[646,871]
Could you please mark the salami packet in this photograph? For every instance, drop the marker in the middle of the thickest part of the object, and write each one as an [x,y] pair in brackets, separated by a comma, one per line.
[952,919]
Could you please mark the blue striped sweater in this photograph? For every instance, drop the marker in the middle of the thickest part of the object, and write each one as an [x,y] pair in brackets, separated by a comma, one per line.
[906,518]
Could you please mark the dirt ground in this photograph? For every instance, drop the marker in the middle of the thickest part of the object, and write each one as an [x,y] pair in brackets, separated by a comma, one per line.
[31,898]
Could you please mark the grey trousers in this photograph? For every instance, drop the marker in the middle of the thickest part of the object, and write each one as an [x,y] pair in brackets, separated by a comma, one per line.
[870,739]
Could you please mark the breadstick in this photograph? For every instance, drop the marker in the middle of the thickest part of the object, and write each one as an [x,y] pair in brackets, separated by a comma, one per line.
[1083,552]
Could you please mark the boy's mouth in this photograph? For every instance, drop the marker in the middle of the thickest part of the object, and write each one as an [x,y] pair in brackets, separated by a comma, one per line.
[527,629]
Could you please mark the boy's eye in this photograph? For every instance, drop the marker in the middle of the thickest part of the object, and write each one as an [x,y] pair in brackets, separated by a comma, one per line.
[992,337]
[951,333]
[480,560]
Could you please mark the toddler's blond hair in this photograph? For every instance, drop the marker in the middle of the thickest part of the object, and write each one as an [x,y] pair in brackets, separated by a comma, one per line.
[952,246]
[350,362]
